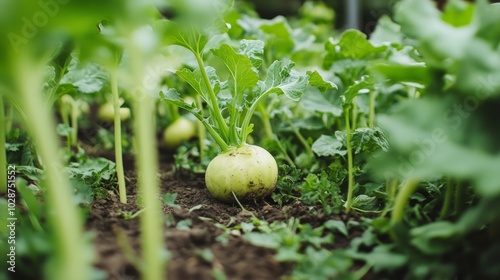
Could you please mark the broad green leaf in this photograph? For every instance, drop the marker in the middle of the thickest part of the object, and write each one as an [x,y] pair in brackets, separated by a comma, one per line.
[196,22]
[401,73]
[186,36]
[315,101]
[243,75]
[365,85]
[435,238]
[279,35]
[458,13]
[386,32]
[327,146]
[282,80]
[430,138]
[337,226]
[369,140]
[268,240]
[438,40]
[173,96]
[253,49]
[88,78]
[365,203]
[195,80]
[316,80]
[351,45]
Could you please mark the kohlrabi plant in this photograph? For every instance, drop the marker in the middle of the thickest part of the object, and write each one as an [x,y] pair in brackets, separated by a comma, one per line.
[240,171]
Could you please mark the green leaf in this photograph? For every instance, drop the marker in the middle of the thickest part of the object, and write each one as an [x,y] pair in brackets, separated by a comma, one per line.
[243,75]
[402,73]
[195,80]
[169,200]
[351,45]
[365,203]
[365,85]
[435,238]
[438,40]
[327,146]
[281,79]
[272,240]
[316,102]
[196,22]
[458,13]
[386,32]
[336,226]
[253,49]
[441,142]
[87,78]
[316,80]
[369,140]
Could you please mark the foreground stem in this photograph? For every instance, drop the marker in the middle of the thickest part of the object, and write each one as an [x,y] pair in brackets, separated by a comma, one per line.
[144,124]
[409,187]
[3,155]
[146,157]
[118,138]
[69,262]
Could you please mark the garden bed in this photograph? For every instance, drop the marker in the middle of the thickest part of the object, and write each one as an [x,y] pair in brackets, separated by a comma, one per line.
[189,233]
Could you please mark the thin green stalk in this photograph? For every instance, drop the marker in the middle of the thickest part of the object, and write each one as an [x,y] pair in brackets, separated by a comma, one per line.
[122,189]
[265,121]
[222,144]
[283,151]
[248,116]
[300,137]
[69,262]
[75,111]
[215,110]
[354,112]
[371,116]
[350,168]
[202,134]
[408,188]
[448,197]
[173,112]
[391,187]
[459,198]
[9,116]
[151,222]
[3,154]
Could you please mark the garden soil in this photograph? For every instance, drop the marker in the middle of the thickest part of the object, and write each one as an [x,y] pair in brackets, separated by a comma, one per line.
[191,230]
[237,259]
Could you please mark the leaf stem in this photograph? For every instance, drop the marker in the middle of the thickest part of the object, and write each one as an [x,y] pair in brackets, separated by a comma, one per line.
[300,137]
[202,134]
[120,173]
[450,189]
[459,198]
[147,167]
[371,116]
[75,112]
[408,188]
[350,168]
[265,121]
[213,105]
[248,116]
[354,112]
[64,217]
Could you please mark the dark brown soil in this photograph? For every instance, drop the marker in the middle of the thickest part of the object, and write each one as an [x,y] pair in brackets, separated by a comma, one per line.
[237,259]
